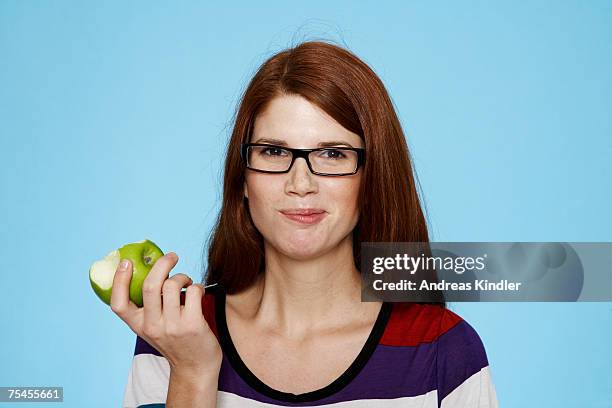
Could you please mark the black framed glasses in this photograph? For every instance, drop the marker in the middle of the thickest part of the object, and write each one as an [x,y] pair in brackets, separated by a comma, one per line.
[324,161]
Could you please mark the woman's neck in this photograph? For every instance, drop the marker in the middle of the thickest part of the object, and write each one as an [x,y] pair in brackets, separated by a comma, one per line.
[297,298]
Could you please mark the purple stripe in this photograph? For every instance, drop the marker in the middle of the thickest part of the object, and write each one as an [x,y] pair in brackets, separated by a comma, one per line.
[391,372]
[461,354]
[142,347]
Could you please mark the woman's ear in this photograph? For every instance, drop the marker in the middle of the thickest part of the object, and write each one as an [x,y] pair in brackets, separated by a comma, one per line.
[246,191]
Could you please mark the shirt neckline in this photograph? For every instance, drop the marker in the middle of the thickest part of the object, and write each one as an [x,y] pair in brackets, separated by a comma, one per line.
[344,379]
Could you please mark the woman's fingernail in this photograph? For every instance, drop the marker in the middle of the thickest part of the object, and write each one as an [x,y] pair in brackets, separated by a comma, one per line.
[124,265]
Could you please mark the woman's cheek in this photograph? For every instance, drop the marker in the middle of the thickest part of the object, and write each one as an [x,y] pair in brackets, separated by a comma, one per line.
[255,210]
[264,216]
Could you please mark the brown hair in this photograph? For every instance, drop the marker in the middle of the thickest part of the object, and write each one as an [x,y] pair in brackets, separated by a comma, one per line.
[349,91]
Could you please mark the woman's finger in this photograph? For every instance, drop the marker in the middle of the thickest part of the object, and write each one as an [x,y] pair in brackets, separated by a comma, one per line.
[120,302]
[152,287]
[171,297]
[193,302]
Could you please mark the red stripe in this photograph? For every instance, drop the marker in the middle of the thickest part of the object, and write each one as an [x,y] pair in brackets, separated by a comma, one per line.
[208,309]
[413,323]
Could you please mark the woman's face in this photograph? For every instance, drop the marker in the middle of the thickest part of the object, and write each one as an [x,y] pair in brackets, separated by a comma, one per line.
[296,122]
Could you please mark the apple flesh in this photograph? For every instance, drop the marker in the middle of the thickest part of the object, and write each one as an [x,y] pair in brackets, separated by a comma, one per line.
[143,256]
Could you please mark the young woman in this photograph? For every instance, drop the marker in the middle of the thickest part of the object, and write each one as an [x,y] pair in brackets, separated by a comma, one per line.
[317,163]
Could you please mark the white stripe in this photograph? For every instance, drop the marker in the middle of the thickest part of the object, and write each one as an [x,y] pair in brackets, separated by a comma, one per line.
[428,400]
[477,391]
[150,374]
[147,382]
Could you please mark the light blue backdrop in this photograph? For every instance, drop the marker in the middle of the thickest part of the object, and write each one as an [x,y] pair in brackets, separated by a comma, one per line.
[114,116]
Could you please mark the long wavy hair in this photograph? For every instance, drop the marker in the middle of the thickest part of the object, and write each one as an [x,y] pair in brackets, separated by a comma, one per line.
[348,90]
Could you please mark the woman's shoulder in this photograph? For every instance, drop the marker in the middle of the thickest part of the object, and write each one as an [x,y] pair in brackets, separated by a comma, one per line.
[411,324]
[454,346]
[455,343]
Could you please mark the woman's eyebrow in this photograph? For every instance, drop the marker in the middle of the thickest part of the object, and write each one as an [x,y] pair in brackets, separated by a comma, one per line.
[279,142]
[334,143]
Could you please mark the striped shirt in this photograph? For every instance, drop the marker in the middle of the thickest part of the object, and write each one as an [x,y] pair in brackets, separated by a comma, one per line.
[417,355]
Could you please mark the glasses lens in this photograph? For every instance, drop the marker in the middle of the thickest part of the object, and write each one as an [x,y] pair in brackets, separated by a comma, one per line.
[334,161]
[268,158]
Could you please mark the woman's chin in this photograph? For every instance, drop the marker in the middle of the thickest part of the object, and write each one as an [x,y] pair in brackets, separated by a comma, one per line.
[301,249]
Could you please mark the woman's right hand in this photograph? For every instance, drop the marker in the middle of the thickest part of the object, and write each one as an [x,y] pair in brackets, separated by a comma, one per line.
[180,333]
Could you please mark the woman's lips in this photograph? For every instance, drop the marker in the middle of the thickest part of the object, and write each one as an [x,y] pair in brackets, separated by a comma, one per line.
[307,219]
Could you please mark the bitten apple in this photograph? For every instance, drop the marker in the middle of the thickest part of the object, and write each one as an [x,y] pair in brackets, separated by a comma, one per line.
[142,254]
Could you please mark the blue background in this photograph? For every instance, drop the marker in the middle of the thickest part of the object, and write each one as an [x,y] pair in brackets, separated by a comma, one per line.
[114,117]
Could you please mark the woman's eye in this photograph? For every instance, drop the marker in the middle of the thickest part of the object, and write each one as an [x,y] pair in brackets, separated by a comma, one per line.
[272,151]
[333,154]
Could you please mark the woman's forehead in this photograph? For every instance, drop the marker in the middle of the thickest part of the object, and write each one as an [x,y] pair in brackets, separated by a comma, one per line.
[324,143]
[295,122]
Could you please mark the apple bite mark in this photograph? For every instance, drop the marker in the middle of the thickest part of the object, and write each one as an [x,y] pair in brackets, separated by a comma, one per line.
[142,255]
[102,272]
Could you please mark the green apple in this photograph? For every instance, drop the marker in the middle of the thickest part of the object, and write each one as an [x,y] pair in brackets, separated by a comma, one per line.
[143,256]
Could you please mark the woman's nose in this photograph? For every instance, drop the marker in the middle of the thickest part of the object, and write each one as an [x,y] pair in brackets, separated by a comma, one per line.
[301,180]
